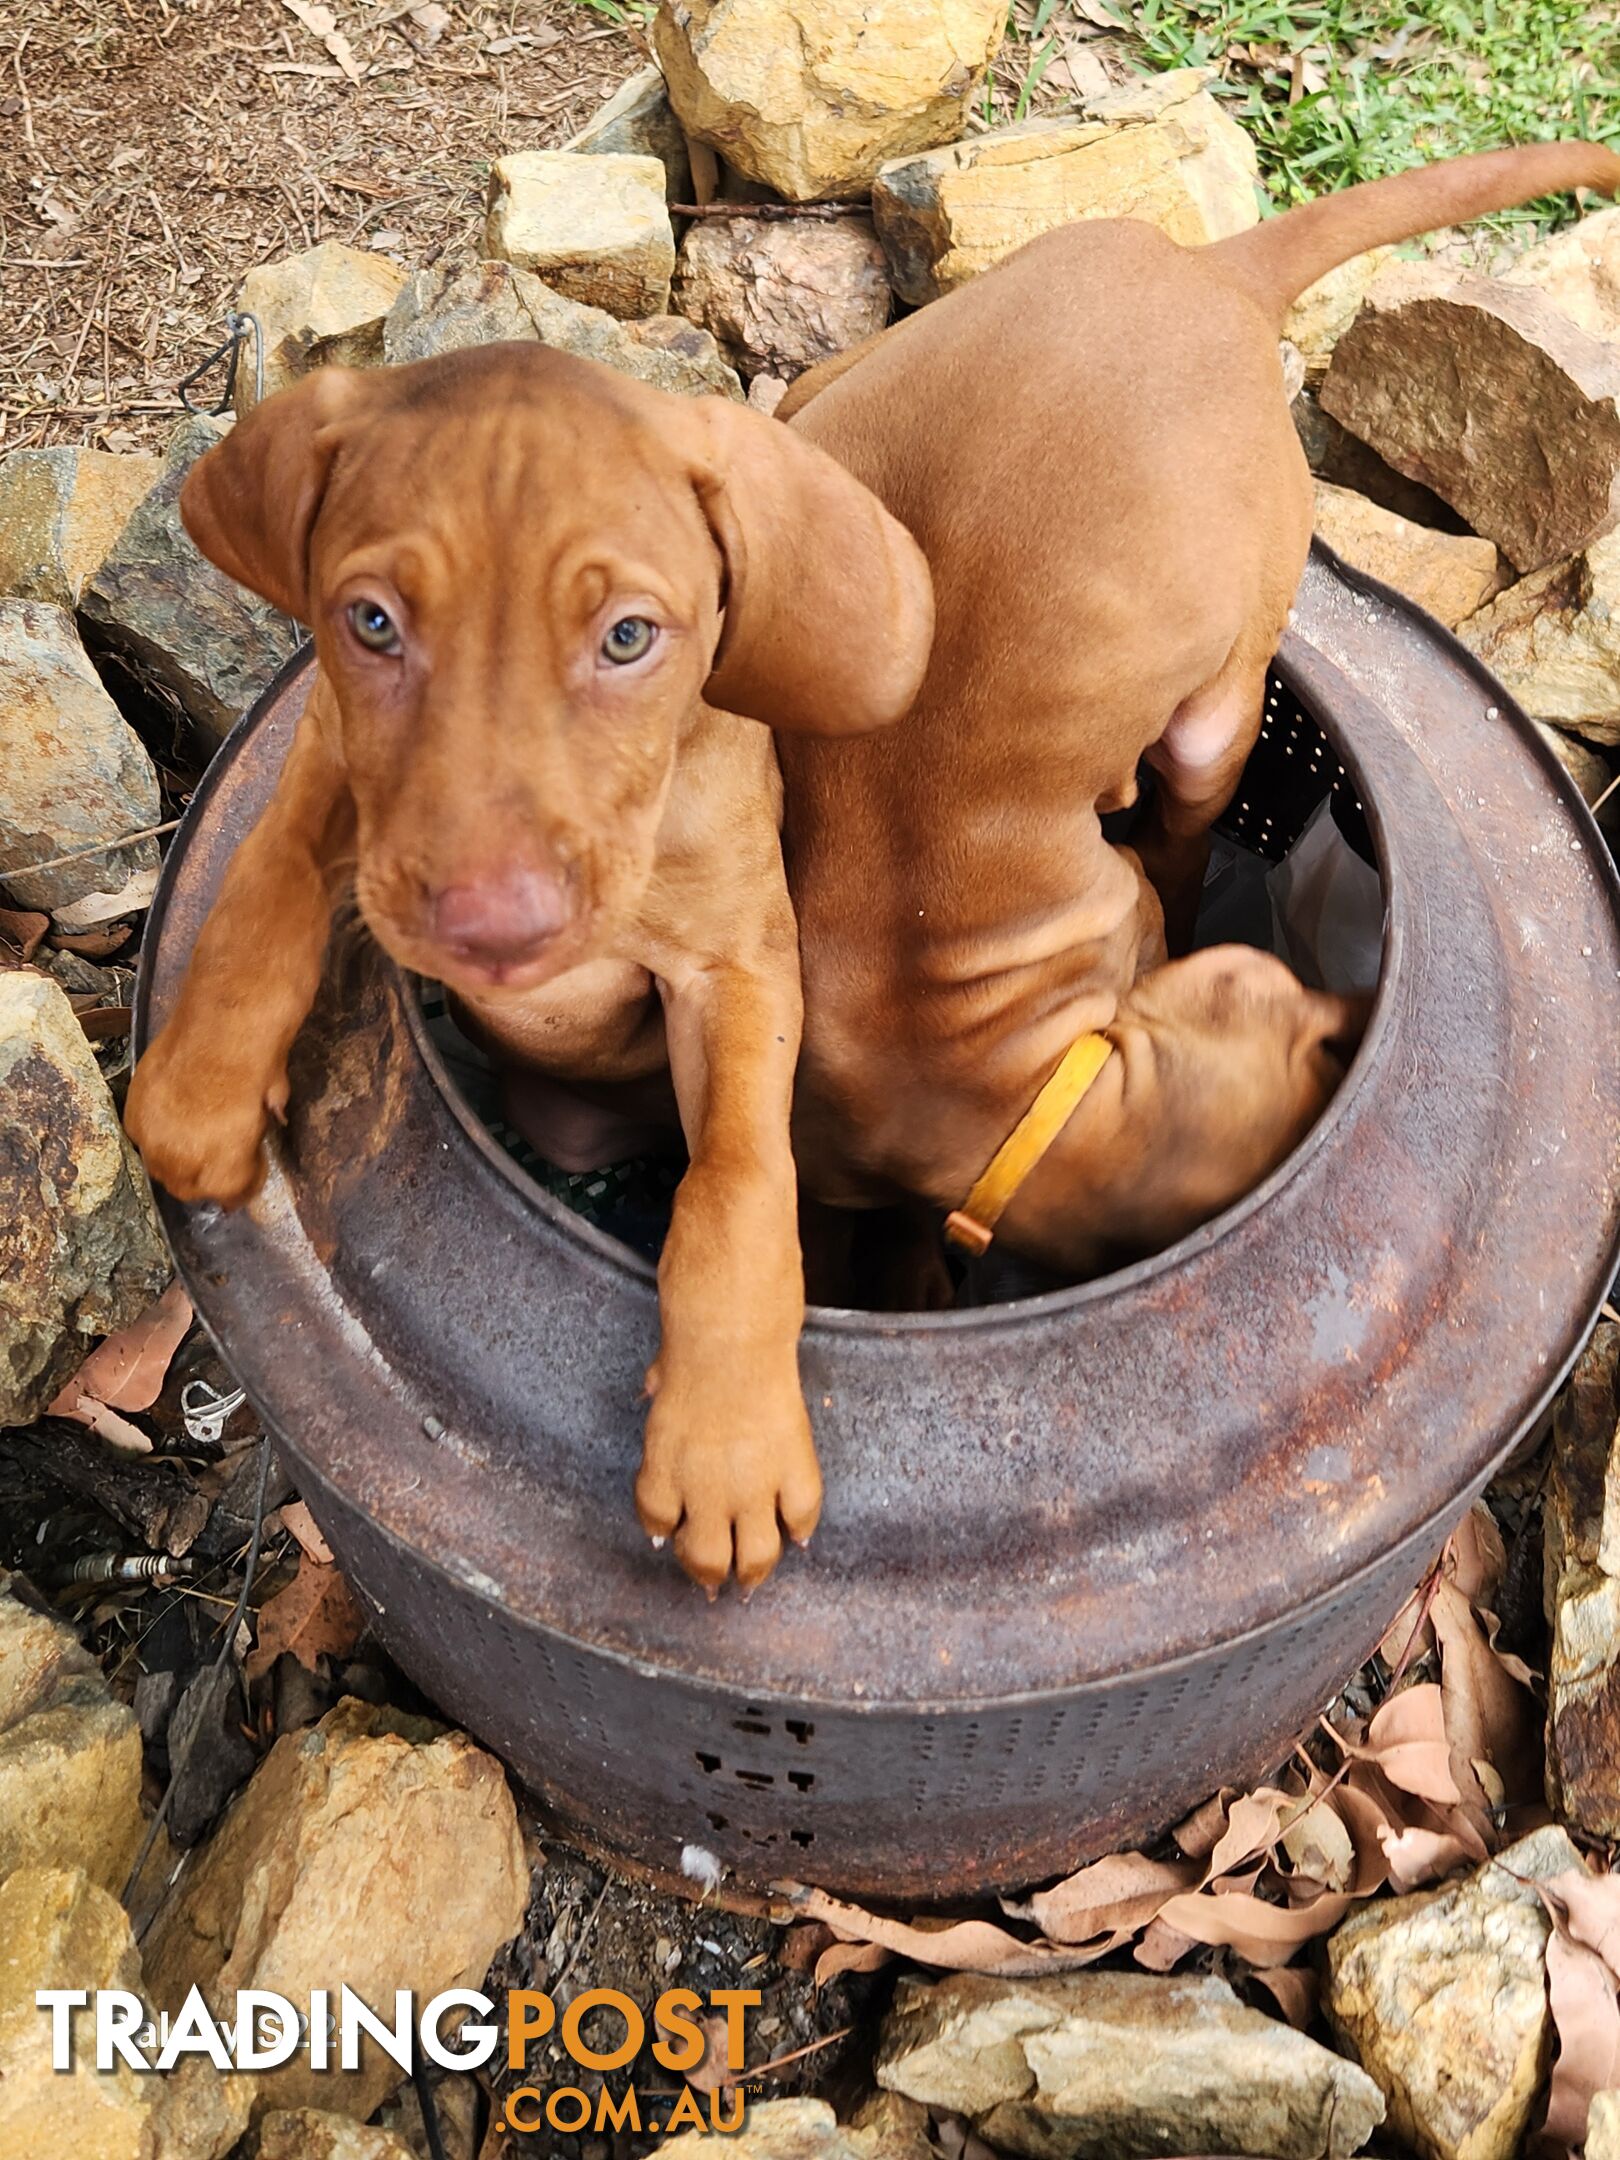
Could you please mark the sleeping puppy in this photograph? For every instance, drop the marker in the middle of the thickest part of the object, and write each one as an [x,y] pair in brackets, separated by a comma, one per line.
[542,596]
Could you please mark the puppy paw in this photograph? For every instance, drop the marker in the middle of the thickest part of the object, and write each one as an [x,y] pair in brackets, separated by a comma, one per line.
[199,1126]
[726,1482]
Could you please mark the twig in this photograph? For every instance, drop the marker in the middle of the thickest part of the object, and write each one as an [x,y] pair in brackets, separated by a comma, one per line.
[83,854]
[22,91]
[771,213]
[177,1769]
[780,2062]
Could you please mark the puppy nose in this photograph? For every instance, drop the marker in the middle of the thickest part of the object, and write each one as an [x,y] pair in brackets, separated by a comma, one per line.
[1341,1023]
[502,918]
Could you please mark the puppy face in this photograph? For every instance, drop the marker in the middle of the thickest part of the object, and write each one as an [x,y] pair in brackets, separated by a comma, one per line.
[1223,1063]
[523,573]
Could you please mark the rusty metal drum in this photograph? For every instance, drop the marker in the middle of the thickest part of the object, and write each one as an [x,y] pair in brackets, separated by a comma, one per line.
[1086,1555]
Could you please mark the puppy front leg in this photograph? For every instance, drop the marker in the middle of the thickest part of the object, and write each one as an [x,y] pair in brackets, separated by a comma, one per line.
[203,1096]
[728,1452]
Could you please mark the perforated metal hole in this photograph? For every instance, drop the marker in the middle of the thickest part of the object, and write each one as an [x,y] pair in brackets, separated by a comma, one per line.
[1290,769]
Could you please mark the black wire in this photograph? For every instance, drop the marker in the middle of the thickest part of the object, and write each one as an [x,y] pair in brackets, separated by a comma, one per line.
[430,2113]
[177,1768]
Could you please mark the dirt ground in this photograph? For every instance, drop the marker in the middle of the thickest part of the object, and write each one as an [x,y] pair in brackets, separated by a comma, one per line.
[152,151]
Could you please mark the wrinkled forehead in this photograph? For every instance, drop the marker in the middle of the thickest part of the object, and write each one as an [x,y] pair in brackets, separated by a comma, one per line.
[516,487]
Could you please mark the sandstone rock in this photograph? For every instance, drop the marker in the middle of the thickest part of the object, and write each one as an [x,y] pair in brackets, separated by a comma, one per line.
[594,229]
[1603,2127]
[1442,1997]
[795,2130]
[638,121]
[60,511]
[1491,397]
[766,392]
[365,1848]
[455,305]
[324,308]
[1553,639]
[810,96]
[184,632]
[1162,150]
[1109,2063]
[311,2134]
[80,1249]
[70,1756]
[1581,1583]
[1324,311]
[1583,764]
[1293,369]
[60,1930]
[1449,574]
[780,297]
[1579,271]
[1335,455]
[75,772]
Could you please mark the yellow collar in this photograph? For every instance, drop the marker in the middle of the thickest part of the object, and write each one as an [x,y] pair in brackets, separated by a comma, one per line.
[973,1224]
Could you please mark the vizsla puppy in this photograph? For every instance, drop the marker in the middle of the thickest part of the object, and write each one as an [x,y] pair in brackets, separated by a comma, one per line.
[541,595]
[1092,445]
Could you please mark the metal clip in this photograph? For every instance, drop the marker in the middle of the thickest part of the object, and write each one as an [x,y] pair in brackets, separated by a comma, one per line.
[205,1410]
[236,329]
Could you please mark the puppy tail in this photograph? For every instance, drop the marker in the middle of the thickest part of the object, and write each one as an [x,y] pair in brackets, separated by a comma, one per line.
[1277,260]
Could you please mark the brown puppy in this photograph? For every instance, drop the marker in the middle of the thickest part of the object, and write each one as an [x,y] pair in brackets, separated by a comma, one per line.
[1092,445]
[540,595]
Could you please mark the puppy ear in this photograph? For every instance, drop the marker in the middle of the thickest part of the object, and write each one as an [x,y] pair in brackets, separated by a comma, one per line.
[829,605]
[250,503]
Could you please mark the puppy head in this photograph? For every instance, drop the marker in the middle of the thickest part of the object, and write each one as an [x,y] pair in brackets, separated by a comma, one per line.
[1223,1063]
[522,573]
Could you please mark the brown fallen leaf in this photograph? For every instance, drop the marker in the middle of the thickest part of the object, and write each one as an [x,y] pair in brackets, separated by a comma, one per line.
[299,1523]
[128,1369]
[1406,1740]
[1295,1990]
[849,1957]
[1125,1890]
[961,1946]
[1201,1832]
[322,23]
[21,930]
[317,1615]
[1581,1996]
[1265,1934]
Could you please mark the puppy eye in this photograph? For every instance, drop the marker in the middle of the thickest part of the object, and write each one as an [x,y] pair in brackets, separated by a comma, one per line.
[631,638]
[373,626]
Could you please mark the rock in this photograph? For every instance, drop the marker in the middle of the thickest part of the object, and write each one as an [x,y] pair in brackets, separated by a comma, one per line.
[766,392]
[1442,1998]
[1111,2063]
[1161,150]
[638,121]
[594,229]
[1449,574]
[60,1930]
[1581,1585]
[455,2104]
[80,1250]
[1293,369]
[1579,271]
[60,511]
[1584,766]
[1334,454]
[810,96]
[70,1756]
[1553,640]
[370,1848]
[779,297]
[76,773]
[311,2134]
[1603,2127]
[1491,397]
[324,308]
[1324,311]
[455,305]
[795,2130]
[186,633]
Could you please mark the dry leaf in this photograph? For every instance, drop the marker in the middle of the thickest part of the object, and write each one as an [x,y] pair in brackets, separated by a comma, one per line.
[20,932]
[1265,1934]
[315,1616]
[1201,1832]
[1580,1993]
[849,1957]
[1591,1907]
[1319,1844]
[1293,1990]
[1123,1891]
[960,1946]
[299,1523]
[322,23]
[128,1369]
[1407,1742]
[1488,1715]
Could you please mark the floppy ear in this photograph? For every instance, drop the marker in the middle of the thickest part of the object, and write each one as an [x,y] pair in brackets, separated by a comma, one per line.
[829,605]
[250,502]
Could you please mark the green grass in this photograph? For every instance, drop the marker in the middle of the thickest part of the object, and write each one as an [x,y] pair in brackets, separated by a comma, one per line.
[1346,90]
